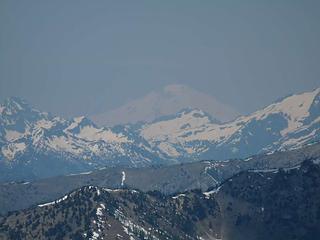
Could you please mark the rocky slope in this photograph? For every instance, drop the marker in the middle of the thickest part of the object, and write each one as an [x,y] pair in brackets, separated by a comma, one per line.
[277,204]
[97,213]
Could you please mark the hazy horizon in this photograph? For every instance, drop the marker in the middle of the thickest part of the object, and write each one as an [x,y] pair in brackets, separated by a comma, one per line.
[77,58]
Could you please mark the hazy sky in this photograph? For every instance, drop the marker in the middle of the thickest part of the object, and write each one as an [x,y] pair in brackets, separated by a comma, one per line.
[78,57]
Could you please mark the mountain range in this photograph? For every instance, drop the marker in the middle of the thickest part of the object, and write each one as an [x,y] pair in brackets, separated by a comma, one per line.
[35,144]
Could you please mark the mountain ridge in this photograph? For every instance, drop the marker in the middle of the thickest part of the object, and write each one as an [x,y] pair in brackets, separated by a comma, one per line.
[279,124]
[250,205]
[31,139]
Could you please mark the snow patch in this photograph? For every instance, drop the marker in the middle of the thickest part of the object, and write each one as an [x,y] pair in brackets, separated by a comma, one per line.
[94,134]
[43,123]
[12,149]
[95,236]
[54,202]
[64,144]
[100,209]
[130,228]
[168,149]
[178,196]
[123,178]
[11,135]
[208,194]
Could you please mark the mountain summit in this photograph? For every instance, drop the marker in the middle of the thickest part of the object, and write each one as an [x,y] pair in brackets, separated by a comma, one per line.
[167,101]
[290,122]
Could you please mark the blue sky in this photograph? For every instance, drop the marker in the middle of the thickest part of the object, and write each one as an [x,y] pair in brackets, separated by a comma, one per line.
[79,57]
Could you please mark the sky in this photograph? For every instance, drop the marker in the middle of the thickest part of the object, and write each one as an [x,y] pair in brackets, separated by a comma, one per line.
[81,57]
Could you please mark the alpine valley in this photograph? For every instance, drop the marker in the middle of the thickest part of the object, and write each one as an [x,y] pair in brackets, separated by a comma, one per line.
[35,144]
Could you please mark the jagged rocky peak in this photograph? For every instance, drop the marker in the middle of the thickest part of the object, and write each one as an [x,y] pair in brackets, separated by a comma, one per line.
[78,123]
[83,121]
[14,104]
[14,107]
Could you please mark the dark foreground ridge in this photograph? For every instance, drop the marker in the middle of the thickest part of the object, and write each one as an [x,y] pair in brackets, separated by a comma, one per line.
[274,204]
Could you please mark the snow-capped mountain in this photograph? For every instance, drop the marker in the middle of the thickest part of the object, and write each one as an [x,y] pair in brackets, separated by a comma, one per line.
[48,145]
[288,123]
[37,144]
[167,101]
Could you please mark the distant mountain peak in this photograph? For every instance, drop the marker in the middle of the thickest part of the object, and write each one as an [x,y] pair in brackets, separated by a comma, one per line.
[166,101]
[83,121]
[78,123]
[15,100]
[176,88]
[13,105]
